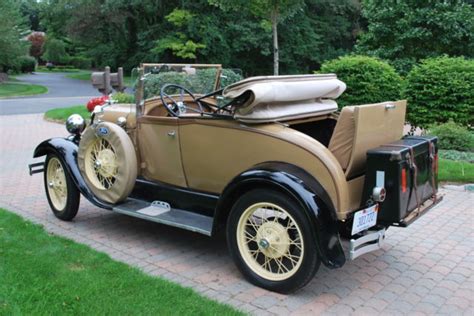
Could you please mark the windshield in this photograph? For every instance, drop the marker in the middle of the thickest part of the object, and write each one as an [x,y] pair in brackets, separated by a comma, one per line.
[199,79]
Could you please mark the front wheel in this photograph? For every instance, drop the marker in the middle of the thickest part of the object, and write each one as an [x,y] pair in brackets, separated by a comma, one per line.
[63,196]
[271,241]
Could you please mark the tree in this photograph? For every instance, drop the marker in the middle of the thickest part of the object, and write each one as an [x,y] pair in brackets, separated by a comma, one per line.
[55,50]
[37,40]
[178,42]
[11,45]
[406,31]
[274,11]
[324,30]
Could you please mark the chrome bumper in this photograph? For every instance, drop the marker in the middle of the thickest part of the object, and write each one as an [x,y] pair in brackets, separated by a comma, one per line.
[372,241]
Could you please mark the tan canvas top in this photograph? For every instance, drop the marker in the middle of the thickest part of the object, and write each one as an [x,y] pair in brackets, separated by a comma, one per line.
[276,98]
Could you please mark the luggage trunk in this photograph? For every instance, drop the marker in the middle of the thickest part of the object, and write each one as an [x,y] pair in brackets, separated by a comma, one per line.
[408,182]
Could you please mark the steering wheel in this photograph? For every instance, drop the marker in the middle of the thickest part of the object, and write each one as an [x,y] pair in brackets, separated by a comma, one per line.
[175,108]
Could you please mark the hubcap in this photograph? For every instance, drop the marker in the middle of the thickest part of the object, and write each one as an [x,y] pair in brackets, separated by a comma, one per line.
[270,241]
[57,187]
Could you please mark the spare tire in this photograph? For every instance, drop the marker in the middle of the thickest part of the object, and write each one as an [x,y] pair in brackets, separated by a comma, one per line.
[107,161]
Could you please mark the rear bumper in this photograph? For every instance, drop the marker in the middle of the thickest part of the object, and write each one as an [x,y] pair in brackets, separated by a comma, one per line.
[373,239]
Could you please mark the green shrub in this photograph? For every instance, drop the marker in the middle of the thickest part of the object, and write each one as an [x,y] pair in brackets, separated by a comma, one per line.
[201,83]
[27,64]
[123,97]
[440,89]
[457,155]
[55,51]
[453,136]
[368,79]
[80,62]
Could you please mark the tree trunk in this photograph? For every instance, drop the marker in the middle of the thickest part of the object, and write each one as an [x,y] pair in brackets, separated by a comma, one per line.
[276,59]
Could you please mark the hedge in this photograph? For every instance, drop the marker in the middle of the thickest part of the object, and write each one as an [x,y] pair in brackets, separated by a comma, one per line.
[368,79]
[27,64]
[452,136]
[440,89]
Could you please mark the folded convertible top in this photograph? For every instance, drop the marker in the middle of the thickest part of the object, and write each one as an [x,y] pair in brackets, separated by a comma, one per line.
[281,98]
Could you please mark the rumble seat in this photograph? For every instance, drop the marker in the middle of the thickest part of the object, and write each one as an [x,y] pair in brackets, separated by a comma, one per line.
[360,128]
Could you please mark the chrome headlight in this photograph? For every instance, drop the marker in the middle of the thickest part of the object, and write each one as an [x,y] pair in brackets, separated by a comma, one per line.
[75,124]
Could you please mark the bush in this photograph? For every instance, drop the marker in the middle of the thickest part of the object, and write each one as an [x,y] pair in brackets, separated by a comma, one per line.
[202,82]
[457,155]
[55,51]
[80,62]
[123,97]
[440,89]
[453,136]
[27,64]
[368,79]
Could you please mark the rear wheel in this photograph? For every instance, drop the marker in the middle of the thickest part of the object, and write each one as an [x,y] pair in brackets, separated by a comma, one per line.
[271,241]
[63,196]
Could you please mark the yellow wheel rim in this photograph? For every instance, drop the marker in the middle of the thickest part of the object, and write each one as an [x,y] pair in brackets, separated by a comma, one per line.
[101,164]
[270,241]
[56,184]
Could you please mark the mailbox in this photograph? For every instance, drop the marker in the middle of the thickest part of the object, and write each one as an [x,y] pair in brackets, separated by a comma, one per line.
[104,81]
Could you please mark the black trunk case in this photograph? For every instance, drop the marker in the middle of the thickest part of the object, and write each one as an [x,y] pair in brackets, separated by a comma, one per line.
[390,159]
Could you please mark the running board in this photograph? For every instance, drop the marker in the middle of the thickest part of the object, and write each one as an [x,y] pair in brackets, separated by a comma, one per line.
[161,212]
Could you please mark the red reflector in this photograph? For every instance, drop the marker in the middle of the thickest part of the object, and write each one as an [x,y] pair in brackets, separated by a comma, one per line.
[404,180]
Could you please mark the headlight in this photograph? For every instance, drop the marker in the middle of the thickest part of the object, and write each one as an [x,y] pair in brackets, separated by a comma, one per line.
[75,124]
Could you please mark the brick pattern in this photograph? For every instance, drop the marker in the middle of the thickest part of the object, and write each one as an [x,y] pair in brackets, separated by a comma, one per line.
[426,268]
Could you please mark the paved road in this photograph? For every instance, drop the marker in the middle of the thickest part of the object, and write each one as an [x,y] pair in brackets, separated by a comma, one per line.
[427,268]
[62,92]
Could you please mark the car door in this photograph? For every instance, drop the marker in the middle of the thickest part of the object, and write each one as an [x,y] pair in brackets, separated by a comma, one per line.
[160,153]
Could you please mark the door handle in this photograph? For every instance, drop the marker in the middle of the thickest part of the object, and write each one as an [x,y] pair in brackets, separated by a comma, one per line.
[172,133]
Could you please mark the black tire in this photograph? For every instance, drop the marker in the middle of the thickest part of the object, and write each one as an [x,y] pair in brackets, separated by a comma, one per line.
[72,196]
[308,263]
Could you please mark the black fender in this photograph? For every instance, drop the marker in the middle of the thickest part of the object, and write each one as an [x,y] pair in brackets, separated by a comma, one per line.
[66,150]
[305,189]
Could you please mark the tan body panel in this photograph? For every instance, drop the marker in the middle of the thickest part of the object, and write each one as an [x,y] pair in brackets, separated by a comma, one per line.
[160,151]
[214,152]
[113,112]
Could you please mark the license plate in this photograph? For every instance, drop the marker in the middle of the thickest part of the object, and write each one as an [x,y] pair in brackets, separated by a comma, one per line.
[364,219]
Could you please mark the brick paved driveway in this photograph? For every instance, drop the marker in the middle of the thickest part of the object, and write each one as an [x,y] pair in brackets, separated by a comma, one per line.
[425,269]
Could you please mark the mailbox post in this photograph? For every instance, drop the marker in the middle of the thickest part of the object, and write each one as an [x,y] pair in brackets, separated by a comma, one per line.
[105,81]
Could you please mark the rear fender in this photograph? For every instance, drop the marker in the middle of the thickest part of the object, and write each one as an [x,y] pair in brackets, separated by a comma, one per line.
[300,185]
[66,150]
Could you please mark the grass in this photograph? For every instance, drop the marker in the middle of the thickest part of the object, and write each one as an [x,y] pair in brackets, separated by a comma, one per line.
[81,75]
[455,171]
[14,89]
[61,114]
[42,274]
[44,69]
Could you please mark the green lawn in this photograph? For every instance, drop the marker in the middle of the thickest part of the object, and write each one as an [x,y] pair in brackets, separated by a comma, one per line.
[455,171]
[61,114]
[80,75]
[14,89]
[44,69]
[42,274]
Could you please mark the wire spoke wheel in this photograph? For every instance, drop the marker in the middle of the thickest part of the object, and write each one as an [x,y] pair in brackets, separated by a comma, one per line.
[101,163]
[270,241]
[56,183]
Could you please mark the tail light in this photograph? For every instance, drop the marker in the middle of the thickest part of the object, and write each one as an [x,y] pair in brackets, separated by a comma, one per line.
[435,164]
[404,180]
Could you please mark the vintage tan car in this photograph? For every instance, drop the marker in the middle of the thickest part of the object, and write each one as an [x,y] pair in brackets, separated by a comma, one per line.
[270,160]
